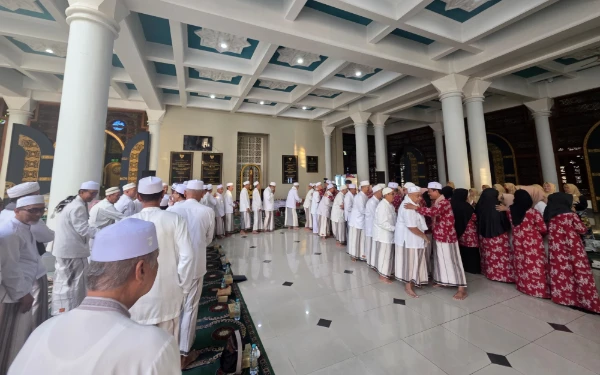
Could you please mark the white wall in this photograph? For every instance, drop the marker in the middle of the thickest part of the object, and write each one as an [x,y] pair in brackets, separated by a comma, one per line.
[286,137]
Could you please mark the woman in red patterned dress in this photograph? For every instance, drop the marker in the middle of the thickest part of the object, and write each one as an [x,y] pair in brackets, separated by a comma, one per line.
[494,246]
[465,222]
[531,265]
[571,280]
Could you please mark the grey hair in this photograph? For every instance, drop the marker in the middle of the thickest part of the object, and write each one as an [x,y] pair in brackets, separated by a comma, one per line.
[104,276]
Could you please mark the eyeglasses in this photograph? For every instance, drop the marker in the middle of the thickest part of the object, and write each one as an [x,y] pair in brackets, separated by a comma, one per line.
[36,211]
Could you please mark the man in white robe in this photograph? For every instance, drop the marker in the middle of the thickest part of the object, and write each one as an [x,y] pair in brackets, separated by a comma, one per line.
[71,249]
[229,209]
[338,224]
[245,209]
[356,235]
[98,338]
[201,225]
[177,196]
[257,208]
[291,203]
[348,202]
[162,305]
[125,204]
[220,212]
[269,205]
[164,203]
[21,267]
[104,212]
[307,204]
[383,235]
[314,206]
[372,203]
[324,212]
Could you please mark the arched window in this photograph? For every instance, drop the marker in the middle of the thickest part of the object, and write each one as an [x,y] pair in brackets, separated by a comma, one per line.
[118,125]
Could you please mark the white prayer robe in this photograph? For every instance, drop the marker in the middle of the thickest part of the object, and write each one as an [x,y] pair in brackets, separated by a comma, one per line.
[229,207]
[165,201]
[337,212]
[316,198]
[307,204]
[269,206]
[176,271]
[220,205]
[125,205]
[244,209]
[104,214]
[370,208]
[383,238]
[220,213]
[112,344]
[40,230]
[73,231]
[348,202]
[324,213]
[257,207]
[410,256]
[357,216]
[291,216]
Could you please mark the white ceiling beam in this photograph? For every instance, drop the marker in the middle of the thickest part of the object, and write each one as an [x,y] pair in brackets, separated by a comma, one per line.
[437,50]
[377,31]
[294,8]
[57,8]
[561,69]
[11,83]
[41,63]
[263,54]
[15,25]
[120,89]
[415,114]
[514,86]
[411,102]
[179,38]
[404,10]
[586,80]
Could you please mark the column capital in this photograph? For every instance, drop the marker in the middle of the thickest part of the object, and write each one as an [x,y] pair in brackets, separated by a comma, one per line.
[450,85]
[360,117]
[474,89]
[541,107]
[327,130]
[437,127]
[155,117]
[19,103]
[20,112]
[108,13]
[379,119]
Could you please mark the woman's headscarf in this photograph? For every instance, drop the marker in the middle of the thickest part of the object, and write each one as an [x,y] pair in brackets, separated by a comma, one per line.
[575,192]
[491,222]
[552,188]
[447,192]
[451,184]
[500,188]
[558,203]
[535,192]
[510,188]
[462,210]
[521,205]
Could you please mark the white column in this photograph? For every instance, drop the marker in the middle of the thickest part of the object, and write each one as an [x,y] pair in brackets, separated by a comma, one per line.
[480,160]
[450,89]
[94,25]
[541,115]
[362,146]
[155,119]
[327,138]
[438,133]
[378,121]
[20,110]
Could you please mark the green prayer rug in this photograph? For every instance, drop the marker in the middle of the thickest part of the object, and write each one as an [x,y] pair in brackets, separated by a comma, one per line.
[279,220]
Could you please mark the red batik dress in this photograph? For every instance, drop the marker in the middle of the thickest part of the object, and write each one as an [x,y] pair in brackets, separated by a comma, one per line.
[531,265]
[497,258]
[571,279]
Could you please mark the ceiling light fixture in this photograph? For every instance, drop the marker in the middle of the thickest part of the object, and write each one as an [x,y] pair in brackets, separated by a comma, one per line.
[305,108]
[262,102]
[224,45]
[48,50]
[300,60]
[212,96]
[358,73]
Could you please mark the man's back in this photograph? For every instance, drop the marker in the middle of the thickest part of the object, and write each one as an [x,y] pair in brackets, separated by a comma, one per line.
[72,232]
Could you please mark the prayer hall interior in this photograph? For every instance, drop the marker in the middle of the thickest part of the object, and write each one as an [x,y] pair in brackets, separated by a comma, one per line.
[344,133]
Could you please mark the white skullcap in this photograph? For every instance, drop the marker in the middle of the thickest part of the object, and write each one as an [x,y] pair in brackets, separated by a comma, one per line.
[129,186]
[174,186]
[318,184]
[344,187]
[180,189]
[351,186]
[209,187]
[408,184]
[328,181]
[127,239]
[149,185]
[219,187]
[393,185]
[330,186]
[311,184]
[272,184]
[229,184]
[256,183]
[29,200]
[246,183]
[386,191]
[381,185]
[90,185]
[364,183]
[414,189]
[195,185]
[376,188]
[165,184]
[185,183]
[296,184]
[23,189]
[111,191]
[434,185]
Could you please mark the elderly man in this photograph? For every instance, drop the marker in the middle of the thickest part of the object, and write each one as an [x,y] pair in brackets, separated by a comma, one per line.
[177,196]
[307,204]
[201,225]
[338,224]
[292,201]
[104,212]
[229,208]
[372,203]
[269,205]
[125,204]
[245,208]
[71,249]
[356,239]
[314,206]
[20,267]
[164,203]
[383,235]
[324,212]
[398,196]
[98,337]
[162,305]
[220,213]
[257,208]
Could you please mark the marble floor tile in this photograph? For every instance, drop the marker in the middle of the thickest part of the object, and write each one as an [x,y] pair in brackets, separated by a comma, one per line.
[543,310]
[535,360]
[515,321]
[573,347]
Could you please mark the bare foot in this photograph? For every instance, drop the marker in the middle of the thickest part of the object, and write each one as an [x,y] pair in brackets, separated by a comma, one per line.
[385,280]
[461,294]
[243,232]
[438,286]
[254,232]
[409,290]
[353,259]
[191,357]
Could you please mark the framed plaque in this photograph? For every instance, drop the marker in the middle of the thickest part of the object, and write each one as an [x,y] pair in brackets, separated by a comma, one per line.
[312,164]
[212,168]
[289,165]
[197,143]
[181,167]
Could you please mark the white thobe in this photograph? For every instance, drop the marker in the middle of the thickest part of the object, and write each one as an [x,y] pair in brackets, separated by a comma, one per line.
[228,201]
[73,231]
[337,213]
[175,272]
[244,200]
[40,230]
[357,216]
[292,198]
[111,344]
[308,199]
[126,206]
[370,215]
[314,205]
[211,202]
[104,214]
[348,202]
[269,200]
[220,205]
[324,208]
[257,204]
[403,237]
[384,222]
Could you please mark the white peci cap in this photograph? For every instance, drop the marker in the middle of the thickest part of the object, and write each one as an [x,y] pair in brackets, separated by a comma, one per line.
[165,184]
[90,185]
[195,185]
[219,187]
[408,184]
[149,185]
[311,184]
[23,189]
[386,191]
[209,187]
[364,183]
[393,185]
[180,189]
[434,185]
[296,184]
[229,184]
[272,184]
[130,186]
[111,191]
[246,183]
[30,200]
[351,186]
[318,184]
[343,187]
[414,189]
[330,186]
[256,183]
[376,188]
[127,239]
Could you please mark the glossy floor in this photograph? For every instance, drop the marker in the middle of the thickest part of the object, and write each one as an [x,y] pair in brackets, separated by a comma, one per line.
[318,312]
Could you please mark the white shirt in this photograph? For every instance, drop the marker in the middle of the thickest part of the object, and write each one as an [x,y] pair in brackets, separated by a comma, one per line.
[125,205]
[228,200]
[165,201]
[104,214]
[337,212]
[384,223]
[244,200]
[409,219]
[175,270]
[269,199]
[370,215]
[201,225]
[357,216]
[314,205]
[40,230]
[73,231]
[211,202]
[324,208]
[220,205]
[256,200]
[138,206]
[348,202]
[112,344]
[308,198]
[292,198]
[20,262]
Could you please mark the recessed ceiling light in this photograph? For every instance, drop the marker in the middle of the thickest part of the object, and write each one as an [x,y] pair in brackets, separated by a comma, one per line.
[224,45]
[305,108]
[358,73]
[300,60]
[262,102]
[49,50]
[212,96]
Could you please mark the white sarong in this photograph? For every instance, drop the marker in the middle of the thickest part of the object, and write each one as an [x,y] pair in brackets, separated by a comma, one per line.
[70,282]
[15,328]
[291,217]
[219,226]
[269,224]
[324,226]
[258,221]
[171,327]
[189,316]
[371,260]
[385,258]
[448,268]
[411,265]
[315,223]
[246,221]
[228,223]
[308,222]
[340,230]
[39,309]
[356,244]
[428,253]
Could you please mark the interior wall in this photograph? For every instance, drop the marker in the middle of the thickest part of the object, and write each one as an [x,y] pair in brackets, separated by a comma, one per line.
[286,137]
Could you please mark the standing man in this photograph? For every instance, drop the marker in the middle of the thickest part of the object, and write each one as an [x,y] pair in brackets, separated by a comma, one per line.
[324,212]
[348,202]
[257,208]
[104,212]
[398,196]
[314,206]
[220,212]
[229,207]
[164,203]
[372,203]
[338,224]
[269,203]
[125,203]
[200,223]
[246,222]
[177,196]
[20,267]
[307,204]
[123,268]
[293,199]
[356,239]
[71,249]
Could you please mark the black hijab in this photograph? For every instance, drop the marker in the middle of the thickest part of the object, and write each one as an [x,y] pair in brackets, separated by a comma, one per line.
[520,206]
[426,198]
[491,222]
[447,192]
[462,210]
[558,203]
